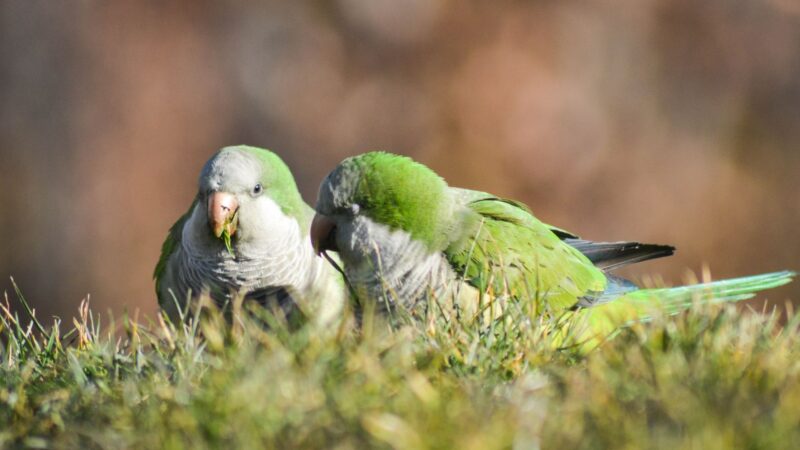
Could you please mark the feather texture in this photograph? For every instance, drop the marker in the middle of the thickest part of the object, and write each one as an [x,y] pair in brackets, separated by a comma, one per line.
[613,255]
[510,252]
[494,246]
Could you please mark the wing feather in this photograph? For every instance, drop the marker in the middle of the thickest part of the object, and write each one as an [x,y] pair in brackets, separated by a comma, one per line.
[507,251]
[170,246]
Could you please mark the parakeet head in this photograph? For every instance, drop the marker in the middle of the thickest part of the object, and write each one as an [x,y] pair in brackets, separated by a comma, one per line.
[379,190]
[242,191]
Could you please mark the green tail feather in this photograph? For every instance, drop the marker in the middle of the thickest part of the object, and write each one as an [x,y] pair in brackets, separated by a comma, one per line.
[601,321]
[732,290]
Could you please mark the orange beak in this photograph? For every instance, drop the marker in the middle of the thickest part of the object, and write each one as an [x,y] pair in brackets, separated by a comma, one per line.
[322,233]
[222,208]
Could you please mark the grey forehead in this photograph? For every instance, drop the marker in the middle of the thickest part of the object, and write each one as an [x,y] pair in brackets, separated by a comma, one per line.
[337,189]
[230,169]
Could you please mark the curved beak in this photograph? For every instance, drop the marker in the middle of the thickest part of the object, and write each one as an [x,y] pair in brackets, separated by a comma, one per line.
[222,217]
[323,234]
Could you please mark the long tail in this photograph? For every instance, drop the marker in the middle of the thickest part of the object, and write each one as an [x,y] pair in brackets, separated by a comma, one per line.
[601,321]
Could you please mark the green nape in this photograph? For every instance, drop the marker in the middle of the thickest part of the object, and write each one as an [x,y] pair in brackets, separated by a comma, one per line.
[399,192]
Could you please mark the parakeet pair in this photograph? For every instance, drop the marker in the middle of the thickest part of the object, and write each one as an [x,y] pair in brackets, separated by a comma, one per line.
[403,236]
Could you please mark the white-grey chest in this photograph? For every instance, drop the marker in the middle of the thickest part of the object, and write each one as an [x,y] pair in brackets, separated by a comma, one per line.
[390,266]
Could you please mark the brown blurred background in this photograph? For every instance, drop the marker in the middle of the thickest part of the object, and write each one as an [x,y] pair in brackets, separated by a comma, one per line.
[672,121]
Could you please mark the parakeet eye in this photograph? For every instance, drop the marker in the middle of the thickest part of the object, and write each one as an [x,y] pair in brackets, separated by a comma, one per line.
[257,189]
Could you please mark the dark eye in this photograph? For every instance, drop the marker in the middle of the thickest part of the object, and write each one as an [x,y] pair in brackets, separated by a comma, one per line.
[257,189]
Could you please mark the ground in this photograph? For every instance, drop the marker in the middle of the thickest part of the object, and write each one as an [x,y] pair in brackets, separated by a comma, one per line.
[713,377]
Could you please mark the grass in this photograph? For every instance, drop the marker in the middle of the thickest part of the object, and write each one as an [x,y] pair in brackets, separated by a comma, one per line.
[714,377]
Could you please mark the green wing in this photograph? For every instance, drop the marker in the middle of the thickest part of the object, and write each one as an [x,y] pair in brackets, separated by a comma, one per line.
[507,251]
[170,245]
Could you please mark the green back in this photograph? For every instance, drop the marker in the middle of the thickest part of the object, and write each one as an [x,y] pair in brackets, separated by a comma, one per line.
[508,251]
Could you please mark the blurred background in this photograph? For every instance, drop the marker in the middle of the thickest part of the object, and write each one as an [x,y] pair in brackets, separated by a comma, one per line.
[667,121]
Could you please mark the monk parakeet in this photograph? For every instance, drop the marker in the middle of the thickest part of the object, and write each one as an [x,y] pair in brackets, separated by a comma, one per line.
[404,235]
[246,233]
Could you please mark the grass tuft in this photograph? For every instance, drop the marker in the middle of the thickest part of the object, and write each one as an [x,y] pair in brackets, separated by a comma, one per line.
[713,377]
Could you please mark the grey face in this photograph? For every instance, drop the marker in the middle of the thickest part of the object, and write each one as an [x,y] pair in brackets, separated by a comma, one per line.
[337,191]
[341,225]
[387,262]
[233,171]
[384,264]
[233,201]
[338,216]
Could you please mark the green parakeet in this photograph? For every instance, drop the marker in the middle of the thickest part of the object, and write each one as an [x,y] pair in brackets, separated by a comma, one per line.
[246,233]
[404,235]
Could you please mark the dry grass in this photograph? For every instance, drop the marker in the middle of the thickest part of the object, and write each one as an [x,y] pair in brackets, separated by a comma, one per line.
[714,377]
